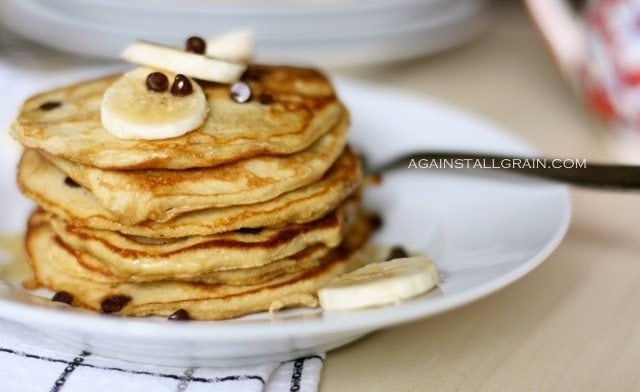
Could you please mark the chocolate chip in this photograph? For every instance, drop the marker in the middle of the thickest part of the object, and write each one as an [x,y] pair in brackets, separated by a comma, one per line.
[181,86]
[114,303]
[50,105]
[63,296]
[397,252]
[196,45]
[252,74]
[180,315]
[250,230]
[376,221]
[265,98]
[240,92]
[157,81]
[68,181]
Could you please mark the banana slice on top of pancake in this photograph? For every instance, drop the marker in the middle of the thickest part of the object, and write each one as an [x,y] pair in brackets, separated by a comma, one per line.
[143,104]
[237,46]
[137,107]
[175,60]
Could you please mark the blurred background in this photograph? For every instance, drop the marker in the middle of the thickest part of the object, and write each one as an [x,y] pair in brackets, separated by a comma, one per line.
[322,33]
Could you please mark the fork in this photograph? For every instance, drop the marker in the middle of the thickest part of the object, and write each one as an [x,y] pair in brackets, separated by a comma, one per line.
[594,175]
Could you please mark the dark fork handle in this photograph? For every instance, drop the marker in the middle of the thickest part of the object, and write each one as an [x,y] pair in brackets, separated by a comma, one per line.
[596,175]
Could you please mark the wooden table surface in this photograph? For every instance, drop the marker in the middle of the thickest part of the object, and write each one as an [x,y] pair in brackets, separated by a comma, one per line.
[573,324]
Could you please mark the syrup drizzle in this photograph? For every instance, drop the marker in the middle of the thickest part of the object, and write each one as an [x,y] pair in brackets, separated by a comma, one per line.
[13,263]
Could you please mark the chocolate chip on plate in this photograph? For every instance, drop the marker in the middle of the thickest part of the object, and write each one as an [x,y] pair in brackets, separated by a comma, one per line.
[63,296]
[50,105]
[114,303]
[180,315]
[240,92]
[397,252]
[181,86]
[376,221]
[157,81]
[195,45]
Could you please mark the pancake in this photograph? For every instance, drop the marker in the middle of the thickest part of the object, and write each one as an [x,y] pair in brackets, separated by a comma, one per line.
[202,301]
[45,184]
[85,266]
[145,259]
[303,107]
[159,195]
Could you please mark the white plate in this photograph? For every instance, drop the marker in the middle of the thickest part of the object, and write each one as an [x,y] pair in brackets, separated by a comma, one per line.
[484,232]
[324,35]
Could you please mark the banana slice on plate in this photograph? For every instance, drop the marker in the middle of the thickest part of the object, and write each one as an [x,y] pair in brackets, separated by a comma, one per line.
[380,284]
[131,111]
[180,62]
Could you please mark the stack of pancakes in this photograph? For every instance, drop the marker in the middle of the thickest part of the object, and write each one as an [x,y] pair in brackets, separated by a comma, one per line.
[255,210]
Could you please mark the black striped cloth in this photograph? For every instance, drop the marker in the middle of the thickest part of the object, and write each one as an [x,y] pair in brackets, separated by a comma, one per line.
[32,362]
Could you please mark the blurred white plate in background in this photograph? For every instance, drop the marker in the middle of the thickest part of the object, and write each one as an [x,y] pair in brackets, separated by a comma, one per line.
[331,33]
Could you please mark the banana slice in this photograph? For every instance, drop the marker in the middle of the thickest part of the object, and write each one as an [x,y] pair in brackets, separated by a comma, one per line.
[380,284]
[187,63]
[236,46]
[130,111]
